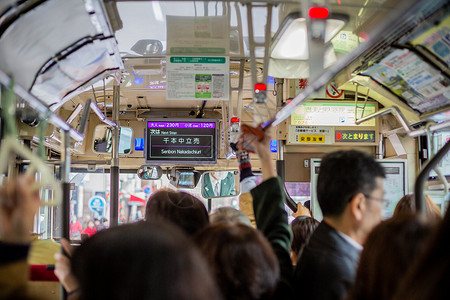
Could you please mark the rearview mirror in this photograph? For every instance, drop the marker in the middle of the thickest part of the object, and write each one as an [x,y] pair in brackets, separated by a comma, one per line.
[150,172]
[103,139]
[220,184]
[184,177]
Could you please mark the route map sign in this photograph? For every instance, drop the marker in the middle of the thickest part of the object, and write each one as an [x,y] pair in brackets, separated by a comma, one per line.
[181,141]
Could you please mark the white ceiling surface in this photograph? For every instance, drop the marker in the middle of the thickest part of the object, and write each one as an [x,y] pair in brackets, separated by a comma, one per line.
[146,20]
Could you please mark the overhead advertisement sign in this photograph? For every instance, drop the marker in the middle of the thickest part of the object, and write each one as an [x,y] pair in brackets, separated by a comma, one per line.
[207,35]
[198,78]
[407,75]
[436,40]
[331,114]
[355,136]
[198,64]
[310,135]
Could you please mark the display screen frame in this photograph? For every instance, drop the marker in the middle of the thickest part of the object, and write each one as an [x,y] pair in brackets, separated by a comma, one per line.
[163,124]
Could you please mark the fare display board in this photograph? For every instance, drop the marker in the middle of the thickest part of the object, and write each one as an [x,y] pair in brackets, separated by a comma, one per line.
[181,141]
[331,114]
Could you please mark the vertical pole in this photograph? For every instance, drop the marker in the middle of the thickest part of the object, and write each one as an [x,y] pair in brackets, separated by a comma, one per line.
[65,170]
[380,148]
[279,83]
[114,174]
[423,177]
[280,160]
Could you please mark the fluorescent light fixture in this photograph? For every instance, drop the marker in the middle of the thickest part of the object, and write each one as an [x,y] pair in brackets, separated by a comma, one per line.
[291,40]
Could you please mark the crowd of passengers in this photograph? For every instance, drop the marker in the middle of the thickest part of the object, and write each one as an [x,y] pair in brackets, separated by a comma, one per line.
[179,252]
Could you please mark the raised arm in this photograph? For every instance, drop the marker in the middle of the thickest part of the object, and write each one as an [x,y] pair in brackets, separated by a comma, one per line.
[271,217]
[19,203]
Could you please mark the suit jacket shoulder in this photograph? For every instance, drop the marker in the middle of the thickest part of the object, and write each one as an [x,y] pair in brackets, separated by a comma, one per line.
[327,267]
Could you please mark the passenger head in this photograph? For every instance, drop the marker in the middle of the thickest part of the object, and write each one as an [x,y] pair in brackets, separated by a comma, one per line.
[180,208]
[302,228]
[350,189]
[230,215]
[389,252]
[407,205]
[428,277]
[142,261]
[91,224]
[241,259]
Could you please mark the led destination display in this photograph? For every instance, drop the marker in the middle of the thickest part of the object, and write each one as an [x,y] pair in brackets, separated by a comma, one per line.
[181,141]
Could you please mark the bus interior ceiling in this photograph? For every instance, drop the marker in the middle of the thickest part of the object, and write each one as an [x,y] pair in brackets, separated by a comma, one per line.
[144,35]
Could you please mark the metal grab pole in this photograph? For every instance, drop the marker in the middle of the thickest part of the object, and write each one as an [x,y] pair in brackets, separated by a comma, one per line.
[423,176]
[280,165]
[65,170]
[114,171]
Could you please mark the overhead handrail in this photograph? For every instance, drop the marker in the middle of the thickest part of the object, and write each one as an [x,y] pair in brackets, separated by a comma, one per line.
[394,110]
[438,171]
[423,176]
[74,113]
[10,144]
[404,123]
[356,102]
[40,107]
[89,105]
[102,117]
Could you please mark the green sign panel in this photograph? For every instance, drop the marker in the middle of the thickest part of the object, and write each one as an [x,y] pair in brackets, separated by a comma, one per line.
[355,136]
[197,50]
[197,60]
[203,85]
[317,113]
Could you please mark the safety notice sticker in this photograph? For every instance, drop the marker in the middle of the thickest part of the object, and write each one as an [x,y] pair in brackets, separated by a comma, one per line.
[198,78]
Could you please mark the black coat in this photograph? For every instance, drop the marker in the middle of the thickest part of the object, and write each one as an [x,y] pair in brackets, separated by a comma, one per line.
[271,219]
[327,267]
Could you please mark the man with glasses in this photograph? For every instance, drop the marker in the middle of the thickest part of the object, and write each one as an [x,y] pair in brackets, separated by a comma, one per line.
[350,193]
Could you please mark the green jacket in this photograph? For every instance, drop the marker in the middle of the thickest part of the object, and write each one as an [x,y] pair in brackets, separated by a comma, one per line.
[227,187]
[271,220]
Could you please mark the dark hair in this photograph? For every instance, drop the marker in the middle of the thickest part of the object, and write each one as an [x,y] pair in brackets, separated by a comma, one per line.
[230,215]
[180,208]
[407,205]
[241,259]
[145,260]
[302,228]
[307,204]
[342,175]
[389,251]
[428,277]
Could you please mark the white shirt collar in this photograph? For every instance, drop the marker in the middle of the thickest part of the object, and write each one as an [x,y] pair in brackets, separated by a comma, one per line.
[214,182]
[350,240]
